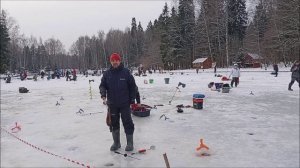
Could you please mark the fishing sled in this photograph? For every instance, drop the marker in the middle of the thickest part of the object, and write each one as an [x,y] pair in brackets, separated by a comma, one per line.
[140,111]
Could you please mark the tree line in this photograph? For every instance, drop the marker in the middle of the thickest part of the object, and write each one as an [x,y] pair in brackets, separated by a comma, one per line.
[223,30]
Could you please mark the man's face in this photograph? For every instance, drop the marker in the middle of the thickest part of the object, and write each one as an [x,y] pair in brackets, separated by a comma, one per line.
[115,63]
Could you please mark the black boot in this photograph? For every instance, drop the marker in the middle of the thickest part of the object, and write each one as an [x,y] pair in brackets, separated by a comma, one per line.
[290,87]
[116,136]
[129,146]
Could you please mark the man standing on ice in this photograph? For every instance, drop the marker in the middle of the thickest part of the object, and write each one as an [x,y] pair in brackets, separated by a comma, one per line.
[275,67]
[295,74]
[117,90]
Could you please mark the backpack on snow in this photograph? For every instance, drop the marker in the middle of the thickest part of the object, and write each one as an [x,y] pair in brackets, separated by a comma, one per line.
[23,90]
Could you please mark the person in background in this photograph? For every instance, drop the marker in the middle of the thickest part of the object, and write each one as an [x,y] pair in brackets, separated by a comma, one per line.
[295,75]
[8,78]
[235,73]
[74,74]
[117,90]
[275,67]
[23,75]
[42,74]
[68,75]
[140,70]
[266,66]
[57,73]
[215,68]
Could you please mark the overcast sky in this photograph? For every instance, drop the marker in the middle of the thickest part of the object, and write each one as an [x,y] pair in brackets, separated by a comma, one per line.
[67,20]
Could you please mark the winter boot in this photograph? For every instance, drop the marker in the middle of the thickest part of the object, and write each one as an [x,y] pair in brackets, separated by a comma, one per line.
[116,136]
[290,87]
[129,146]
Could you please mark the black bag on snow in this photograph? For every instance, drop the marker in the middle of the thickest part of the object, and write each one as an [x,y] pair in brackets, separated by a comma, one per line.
[23,90]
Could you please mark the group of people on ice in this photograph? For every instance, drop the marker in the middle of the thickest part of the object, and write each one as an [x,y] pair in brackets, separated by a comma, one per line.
[295,69]
[60,73]
[68,75]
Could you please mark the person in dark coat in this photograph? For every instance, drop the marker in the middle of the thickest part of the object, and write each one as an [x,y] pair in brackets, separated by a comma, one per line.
[197,69]
[68,73]
[295,75]
[275,66]
[117,90]
[140,70]
[42,74]
[215,68]
[8,78]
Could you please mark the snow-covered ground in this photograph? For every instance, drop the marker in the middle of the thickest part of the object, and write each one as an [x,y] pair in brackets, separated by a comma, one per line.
[241,129]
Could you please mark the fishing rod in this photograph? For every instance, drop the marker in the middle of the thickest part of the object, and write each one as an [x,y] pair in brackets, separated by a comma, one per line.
[84,114]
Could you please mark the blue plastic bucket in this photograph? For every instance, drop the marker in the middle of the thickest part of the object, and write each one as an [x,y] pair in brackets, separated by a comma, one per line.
[198,100]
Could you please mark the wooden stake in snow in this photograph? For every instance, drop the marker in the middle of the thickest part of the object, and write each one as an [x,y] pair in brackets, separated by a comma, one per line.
[166,160]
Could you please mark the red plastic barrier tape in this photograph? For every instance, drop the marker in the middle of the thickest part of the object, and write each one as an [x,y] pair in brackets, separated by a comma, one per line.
[40,149]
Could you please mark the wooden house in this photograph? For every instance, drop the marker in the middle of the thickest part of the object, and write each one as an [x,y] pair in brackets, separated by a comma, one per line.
[252,60]
[202,63]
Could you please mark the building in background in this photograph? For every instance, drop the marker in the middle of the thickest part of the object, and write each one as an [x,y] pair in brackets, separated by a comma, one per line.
[202,63]
[252,60]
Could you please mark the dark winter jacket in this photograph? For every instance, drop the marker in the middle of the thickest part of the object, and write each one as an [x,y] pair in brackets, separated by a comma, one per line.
[68,73]
[275,67]
[118,85]
[295,71]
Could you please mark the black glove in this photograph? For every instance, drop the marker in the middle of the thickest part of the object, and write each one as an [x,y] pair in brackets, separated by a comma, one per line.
[104,100]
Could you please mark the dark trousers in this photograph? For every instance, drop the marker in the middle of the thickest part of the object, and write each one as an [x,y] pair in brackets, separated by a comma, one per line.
[292,82]
[276,73]
[234,80]
[125,114]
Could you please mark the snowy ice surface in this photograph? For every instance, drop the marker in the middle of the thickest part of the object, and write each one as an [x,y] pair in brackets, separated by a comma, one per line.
[241,129]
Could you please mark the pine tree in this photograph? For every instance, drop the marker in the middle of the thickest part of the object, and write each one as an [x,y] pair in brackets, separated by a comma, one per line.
[152,57]
[187,30]
[237,24]
[237,18]
[43,54]
[287,16]
[32,58]
[175,39]
[210,31]
[164,22]
[140,40]
[260,23]
[133,48]
[4,39]
[260,20]
[205,29]
[26,55]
